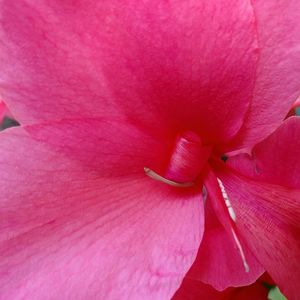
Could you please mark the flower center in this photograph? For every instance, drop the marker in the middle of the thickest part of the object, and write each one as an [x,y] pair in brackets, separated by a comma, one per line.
[187,159]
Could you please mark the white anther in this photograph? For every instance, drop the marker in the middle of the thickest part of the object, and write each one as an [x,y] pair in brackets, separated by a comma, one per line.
[156,176]
[227,201]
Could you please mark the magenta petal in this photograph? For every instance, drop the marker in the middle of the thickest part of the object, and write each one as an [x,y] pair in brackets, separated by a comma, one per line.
[188,59]
[268,219]
[276,159]
[218,262]
[174,64]
[196,290]
[277,84]
[49,69]
[191,289]
[70,229]
[256,291]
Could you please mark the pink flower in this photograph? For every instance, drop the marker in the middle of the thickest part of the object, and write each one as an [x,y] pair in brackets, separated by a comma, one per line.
[110,91]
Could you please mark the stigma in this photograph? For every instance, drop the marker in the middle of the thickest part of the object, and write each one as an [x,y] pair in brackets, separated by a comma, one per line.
[186,161]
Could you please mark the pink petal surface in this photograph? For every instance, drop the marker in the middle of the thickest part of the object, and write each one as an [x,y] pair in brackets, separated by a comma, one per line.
[218,262]
[172,63]
[86,226]
[268,219]
[277,84]
[48,70]
[276,159]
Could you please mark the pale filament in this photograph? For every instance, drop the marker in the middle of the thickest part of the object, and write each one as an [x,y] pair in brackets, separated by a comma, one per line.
[160,178]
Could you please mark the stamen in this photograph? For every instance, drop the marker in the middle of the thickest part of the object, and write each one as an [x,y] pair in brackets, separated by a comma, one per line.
[227,201]
[158,177]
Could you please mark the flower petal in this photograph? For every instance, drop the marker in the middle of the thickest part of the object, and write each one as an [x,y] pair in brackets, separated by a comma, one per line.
[254,291]
[277,85]
[268,219]
[49,70]
[195,290]
[192,289]
[73,228]
[161,63]
[218,262]
[274,160]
